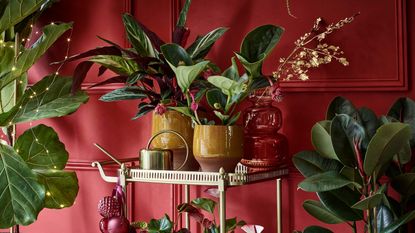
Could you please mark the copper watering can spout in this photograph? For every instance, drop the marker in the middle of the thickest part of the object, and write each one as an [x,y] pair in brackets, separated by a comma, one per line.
[160,159]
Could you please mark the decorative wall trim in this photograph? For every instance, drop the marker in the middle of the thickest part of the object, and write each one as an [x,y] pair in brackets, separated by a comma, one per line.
[397,82]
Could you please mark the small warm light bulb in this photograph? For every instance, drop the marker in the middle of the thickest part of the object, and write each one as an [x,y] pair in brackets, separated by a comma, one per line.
[62,206]
[68,39]
[13,68]
[55,167]
[48,194]
[17,150]
[57,73]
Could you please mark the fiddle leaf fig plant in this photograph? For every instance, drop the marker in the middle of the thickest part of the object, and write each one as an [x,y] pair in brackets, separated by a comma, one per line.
[354,150]
[32,175]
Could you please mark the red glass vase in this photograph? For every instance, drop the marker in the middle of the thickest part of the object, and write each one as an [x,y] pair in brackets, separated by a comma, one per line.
[264,148]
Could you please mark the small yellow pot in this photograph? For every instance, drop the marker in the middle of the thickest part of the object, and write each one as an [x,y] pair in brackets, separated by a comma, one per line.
[172,120]
[216,146]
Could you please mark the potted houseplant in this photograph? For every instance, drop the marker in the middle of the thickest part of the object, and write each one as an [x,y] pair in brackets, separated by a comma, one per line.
[358,159]
[147,77]
[31,165]
[216,146]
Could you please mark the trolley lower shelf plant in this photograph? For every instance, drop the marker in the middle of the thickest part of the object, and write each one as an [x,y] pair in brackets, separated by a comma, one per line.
[221,180]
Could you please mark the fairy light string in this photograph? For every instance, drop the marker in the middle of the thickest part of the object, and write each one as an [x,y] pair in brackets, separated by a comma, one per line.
[37,97]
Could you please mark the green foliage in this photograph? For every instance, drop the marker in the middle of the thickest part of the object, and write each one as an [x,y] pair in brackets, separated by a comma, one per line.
[124,93]
[137,37]
[31,167]
[204,204]
[187,74]
[201,46]
[354,149]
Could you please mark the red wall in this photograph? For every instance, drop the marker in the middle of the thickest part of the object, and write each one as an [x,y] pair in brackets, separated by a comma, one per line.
[379,46]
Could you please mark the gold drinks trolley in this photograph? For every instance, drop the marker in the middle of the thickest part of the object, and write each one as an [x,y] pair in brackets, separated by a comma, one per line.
[221,180]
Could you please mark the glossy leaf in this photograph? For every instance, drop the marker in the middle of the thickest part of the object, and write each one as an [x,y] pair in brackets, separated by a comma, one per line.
[29,56]
[21,196]
[325,182]
[79,75]
[181,22]
[387,142]
[124,93]
[137,37]
[41,148]
[216,99]
[310,163]
[187,74]
[316,229]
[50,97]
[369,121]
[403,110]
[232,223]
[61,187]
[176,55]
[344,131]
[317,210]
[117,64]
[257,45]
[339,202]
[384,217]
[202,45]
[16,11]
[232,71]
[399,222]
[6,58]
[163,225]
[369,202]
[404,184]
[340,105]
[204,204]
[143,109]
[321,139]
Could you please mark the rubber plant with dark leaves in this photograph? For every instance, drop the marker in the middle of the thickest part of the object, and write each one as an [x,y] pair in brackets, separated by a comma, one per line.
[143,68]
[359,161]
[31,165]
[195,210]
[224,91]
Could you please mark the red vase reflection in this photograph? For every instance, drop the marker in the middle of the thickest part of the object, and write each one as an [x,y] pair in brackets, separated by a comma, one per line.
[264,148]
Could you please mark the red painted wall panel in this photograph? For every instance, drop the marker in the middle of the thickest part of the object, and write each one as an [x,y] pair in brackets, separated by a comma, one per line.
[373,44]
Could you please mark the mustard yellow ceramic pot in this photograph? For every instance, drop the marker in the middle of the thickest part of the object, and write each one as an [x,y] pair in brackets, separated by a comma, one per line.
[216,146]
[172,120]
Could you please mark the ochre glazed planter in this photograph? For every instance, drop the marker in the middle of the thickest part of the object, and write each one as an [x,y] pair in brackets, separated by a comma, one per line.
[216,146]
[172,120]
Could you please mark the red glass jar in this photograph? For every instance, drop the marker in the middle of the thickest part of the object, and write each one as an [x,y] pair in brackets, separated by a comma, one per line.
[264,147]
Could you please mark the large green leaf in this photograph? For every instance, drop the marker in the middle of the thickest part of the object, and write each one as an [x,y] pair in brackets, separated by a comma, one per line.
[204,204]
[344,131]
[317,210]
[6,57]
[29,56]
[202,45]
[310,163]
[43,152]
[387,142]
[321,139]
[187,74]
[9,91]
[403,110]
[21,196]
[163,225]
[340,105]
[399,222]
[137,37]
[232,71]
[61,187]
[40,148]
[316,229]
[50,97]
[325,182]
[256,46]
[16,11]
[118,64]
[384,217]
[339,201]
[124,93]
[369,202]
[176,55]
[216,99]
[404,184]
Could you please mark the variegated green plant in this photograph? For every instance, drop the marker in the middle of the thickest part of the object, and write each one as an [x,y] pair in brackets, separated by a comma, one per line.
[31,165]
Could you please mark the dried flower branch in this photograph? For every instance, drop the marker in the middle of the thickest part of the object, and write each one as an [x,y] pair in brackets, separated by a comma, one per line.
[303,57]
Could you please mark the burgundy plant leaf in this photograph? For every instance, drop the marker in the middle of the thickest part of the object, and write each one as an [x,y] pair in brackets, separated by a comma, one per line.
[180,35]
[102,70]
[154,38]
[79,75]
[185,37]
[116,79]
[130,53]
[106,50]
[192,211]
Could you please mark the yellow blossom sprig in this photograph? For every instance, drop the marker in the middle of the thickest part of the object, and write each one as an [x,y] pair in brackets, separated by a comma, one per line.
[303,56]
